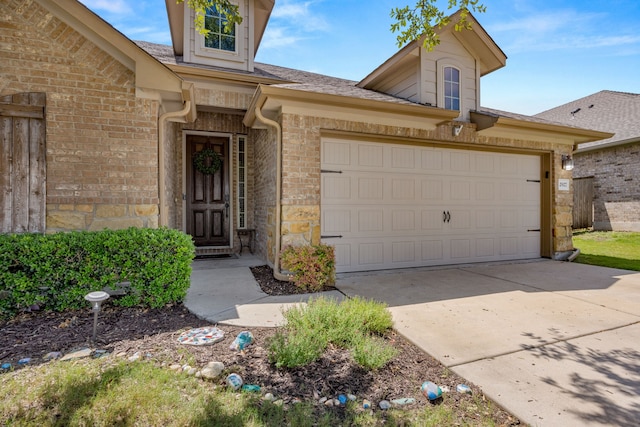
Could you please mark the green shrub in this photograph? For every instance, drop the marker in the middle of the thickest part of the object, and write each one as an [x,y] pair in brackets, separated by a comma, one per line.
[57,270]
[312,266]
[355,324]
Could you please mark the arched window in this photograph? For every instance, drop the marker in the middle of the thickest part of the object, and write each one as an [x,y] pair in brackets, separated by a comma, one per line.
[451,88]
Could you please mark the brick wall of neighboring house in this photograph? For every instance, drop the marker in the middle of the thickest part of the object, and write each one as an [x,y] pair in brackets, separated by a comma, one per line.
[101,141]
[301,171]
[616,183]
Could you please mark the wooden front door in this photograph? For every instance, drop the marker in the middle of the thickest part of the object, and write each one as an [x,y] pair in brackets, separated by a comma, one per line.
[208,195]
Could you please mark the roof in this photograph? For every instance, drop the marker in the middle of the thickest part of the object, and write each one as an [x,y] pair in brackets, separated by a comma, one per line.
[289,80]
[608,111]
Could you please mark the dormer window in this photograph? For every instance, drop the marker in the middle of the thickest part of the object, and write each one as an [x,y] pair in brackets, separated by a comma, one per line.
[451,88]
[218,37]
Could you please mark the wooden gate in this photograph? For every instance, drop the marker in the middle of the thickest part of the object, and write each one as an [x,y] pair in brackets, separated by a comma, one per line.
[583,202]
[22,163]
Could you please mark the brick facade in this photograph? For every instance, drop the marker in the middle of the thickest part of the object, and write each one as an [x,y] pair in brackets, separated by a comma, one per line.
[616,174]
[101,140]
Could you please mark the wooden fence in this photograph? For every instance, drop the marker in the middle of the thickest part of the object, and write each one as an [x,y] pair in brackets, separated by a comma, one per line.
[583,202]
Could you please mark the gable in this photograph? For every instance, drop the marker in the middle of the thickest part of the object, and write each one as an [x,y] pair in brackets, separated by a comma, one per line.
[416,74]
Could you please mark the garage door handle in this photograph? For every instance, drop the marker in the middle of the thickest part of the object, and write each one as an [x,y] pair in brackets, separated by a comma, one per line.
[446,216]
[331,237]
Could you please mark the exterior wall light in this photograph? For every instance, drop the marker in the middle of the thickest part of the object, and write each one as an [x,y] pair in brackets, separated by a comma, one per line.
[96,298]
[567,162]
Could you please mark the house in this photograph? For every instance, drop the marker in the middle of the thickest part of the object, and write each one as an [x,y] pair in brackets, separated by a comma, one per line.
[610,168]
[401,169]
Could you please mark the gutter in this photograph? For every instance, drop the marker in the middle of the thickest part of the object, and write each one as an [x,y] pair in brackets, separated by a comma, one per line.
[162,187]
[276,263]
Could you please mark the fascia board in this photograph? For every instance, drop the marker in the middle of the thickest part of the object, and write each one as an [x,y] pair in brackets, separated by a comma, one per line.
[274,99]
[187,71]
[504,127]
[389,64]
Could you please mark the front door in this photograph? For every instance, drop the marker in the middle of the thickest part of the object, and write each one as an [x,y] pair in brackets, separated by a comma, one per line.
[208,216]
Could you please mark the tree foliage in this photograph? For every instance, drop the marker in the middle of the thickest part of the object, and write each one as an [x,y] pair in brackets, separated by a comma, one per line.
[412,23]
[425,18]
[227,9]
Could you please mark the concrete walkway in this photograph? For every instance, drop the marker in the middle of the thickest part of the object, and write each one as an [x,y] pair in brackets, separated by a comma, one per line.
[554,343]
[224,291]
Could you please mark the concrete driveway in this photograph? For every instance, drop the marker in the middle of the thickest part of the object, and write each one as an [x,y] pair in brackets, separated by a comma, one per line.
[555,343]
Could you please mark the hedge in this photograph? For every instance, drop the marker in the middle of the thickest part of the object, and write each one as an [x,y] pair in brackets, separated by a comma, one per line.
[56,271]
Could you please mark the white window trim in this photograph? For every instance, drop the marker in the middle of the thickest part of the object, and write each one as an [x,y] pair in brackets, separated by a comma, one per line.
[207,52]
[441,65]
[241,176]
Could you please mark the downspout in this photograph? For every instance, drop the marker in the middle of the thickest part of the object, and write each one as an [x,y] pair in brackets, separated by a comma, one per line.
[276,263]
[162,187]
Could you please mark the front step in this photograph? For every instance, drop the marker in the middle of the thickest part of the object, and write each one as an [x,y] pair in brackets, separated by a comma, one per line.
[207,251]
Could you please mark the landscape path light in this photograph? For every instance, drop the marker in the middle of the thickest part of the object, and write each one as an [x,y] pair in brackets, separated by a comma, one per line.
[96,298]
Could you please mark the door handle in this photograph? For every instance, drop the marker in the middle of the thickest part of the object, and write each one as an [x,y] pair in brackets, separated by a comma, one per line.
[226,205]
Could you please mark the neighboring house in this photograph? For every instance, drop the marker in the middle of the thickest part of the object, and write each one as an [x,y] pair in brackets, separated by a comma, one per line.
[611,166]
[401,169]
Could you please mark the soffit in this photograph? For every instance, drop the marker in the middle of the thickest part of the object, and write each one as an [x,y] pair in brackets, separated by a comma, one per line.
[492,124]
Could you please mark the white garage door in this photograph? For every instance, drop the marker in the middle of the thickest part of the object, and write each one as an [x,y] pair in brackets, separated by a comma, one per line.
[395,206]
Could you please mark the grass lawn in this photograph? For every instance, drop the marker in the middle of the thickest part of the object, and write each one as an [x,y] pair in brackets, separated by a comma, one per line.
[615,249]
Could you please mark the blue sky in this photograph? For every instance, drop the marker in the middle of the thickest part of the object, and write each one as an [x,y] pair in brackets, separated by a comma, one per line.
[557,50]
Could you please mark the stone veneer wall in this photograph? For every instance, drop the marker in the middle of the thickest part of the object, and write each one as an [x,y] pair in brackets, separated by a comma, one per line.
[101,140]
[616,184]
[301,171]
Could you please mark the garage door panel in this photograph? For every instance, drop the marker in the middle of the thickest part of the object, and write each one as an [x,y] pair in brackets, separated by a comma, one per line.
[485,247]
[432,220]
[431,160]
[397,206]
[370,189]
[403,251]
[403,220]
[432,250]
[371,254]
[403,189]
[432,190]
[403,158]
[336,221]
[336,153]
[370,156]
[461,249]
[370,220]
[336,188]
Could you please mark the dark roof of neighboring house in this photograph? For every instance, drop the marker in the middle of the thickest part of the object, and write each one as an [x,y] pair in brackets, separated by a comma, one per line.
[317,83]
[607,111]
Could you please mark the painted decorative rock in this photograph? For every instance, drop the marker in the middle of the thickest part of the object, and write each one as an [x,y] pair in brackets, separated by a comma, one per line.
[430,390]
[234,381]
[201,336]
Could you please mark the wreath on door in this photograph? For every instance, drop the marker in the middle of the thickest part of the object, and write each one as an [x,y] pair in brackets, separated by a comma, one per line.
[207,161]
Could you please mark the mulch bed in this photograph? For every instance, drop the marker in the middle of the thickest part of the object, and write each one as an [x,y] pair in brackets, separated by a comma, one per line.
[154,334]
